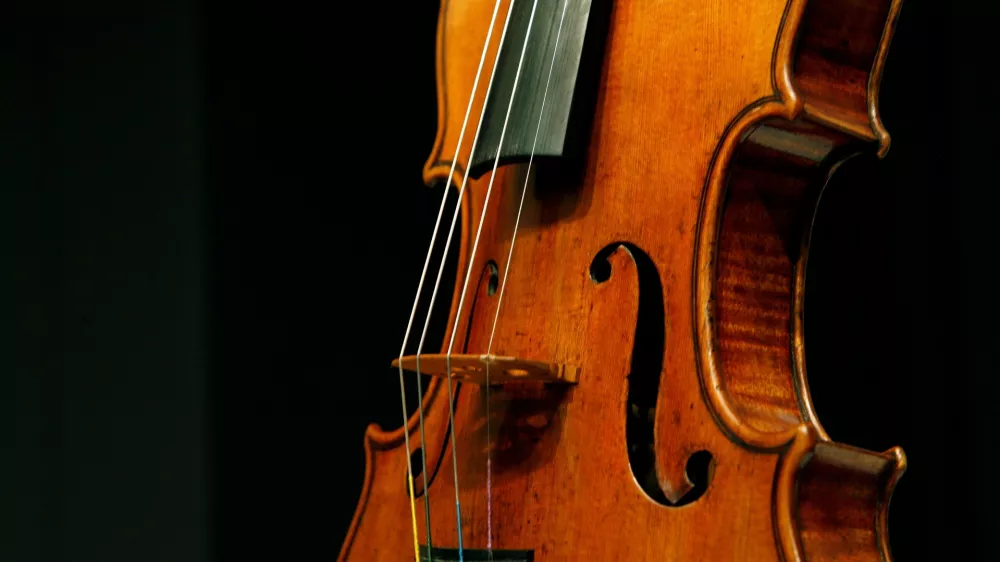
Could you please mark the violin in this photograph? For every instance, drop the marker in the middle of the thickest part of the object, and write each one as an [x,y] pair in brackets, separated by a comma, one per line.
[623,372]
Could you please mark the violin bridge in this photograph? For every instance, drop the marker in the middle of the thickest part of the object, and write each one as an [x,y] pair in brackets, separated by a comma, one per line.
[473,369]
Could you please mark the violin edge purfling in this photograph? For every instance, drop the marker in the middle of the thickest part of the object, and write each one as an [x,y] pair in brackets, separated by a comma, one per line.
[829,114]
[744,368]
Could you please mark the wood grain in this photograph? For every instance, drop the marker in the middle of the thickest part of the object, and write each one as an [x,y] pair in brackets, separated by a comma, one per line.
[715,129]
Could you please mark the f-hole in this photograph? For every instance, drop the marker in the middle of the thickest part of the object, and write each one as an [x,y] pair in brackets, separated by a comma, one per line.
[494,281]
[644,380]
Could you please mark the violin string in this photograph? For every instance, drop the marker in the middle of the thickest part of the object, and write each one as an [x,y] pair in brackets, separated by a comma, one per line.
[413,311]
[524,189]
[440,273]
[482,219]
[503,283]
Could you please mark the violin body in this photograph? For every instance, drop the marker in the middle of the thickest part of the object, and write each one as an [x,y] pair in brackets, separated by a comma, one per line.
[667,265]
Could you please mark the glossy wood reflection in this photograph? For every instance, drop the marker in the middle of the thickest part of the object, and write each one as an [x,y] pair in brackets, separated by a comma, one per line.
[667,262]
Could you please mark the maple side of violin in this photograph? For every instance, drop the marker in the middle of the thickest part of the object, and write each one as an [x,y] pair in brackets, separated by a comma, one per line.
[711,144]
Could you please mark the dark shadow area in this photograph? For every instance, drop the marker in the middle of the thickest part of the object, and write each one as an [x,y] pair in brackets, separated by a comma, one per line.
[321,229]
[900,346]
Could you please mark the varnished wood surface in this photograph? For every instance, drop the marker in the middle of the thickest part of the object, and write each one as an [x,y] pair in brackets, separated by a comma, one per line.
[489,369]
[715,128]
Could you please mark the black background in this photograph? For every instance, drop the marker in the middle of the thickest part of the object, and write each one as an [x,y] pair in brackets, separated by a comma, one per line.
[214,225]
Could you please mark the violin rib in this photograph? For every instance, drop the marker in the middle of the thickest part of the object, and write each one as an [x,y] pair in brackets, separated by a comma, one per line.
[715,127]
